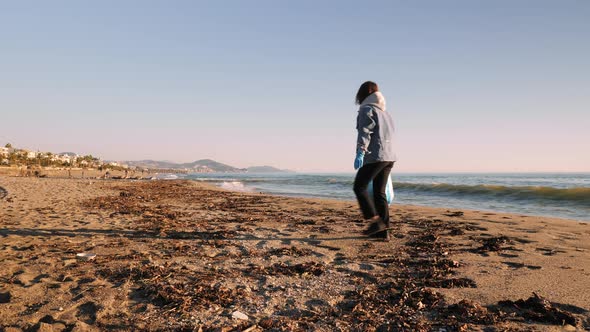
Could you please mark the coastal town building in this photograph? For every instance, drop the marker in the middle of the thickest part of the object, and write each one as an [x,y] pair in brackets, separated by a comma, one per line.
[10,156]
[64,158]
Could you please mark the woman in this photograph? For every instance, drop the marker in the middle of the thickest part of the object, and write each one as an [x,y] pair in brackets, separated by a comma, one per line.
[374,158]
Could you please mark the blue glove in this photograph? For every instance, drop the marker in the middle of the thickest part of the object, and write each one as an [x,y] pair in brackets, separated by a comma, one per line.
[358,161]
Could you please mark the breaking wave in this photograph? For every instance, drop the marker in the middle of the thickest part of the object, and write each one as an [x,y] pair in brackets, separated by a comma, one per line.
[579,195]
[235,186]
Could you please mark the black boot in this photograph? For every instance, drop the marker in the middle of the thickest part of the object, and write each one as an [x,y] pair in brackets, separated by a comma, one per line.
[376,229]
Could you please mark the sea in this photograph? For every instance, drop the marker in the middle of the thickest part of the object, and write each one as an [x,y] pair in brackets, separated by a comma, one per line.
[563,195]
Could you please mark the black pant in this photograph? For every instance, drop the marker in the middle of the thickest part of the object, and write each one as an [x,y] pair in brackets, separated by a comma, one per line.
[378,173]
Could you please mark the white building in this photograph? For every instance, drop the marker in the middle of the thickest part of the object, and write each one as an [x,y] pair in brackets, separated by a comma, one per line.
[64,158]
[31,154]
[4,151]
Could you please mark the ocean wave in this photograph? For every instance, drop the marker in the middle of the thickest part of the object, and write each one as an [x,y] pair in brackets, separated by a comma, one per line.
[235,186]
[579,195]
[165,176]
[220,180]
[212,179]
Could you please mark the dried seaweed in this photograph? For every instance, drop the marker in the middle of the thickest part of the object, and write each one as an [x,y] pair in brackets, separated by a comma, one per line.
[401,298]
[470,312]
[539,309]
[291,252]
[454,214]
[169,287]
[302,269]
[494,243]
[5,297]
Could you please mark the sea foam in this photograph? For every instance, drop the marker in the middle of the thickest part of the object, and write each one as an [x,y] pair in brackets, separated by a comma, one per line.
[235,186]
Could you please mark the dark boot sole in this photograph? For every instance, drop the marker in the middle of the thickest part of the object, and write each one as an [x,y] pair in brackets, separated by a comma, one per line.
[386,230]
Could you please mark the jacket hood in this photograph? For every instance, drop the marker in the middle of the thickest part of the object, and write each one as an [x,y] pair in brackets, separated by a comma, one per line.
[375,99]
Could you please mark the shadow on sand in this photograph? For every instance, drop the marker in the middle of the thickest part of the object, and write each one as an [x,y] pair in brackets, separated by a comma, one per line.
[170,235]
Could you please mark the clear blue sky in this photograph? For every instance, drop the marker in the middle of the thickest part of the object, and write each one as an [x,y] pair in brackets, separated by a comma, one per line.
[496,85]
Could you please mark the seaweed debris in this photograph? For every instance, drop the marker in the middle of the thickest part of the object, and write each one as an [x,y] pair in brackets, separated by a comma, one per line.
[400,295]
[539,309]
[302,269]
[454,213]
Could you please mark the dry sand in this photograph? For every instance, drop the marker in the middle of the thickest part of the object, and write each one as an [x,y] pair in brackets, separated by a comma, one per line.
[179,255]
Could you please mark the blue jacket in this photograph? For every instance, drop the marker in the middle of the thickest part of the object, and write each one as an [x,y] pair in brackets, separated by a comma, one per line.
[375,130]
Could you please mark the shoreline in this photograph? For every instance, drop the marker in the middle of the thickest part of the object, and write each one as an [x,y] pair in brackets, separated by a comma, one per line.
[434,209]
[149,175]
[393,205]
[185,254]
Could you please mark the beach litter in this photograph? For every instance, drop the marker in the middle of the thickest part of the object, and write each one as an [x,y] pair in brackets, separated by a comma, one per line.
[85,256]
[239,315]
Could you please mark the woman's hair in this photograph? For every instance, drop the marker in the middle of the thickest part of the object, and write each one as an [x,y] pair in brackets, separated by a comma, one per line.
[365,90]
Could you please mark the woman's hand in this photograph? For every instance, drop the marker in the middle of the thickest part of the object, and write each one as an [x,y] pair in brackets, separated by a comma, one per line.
[358,161]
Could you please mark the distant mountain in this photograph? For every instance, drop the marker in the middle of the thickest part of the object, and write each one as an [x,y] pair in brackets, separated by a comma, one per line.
[266,169]
[152,164]
[203,165]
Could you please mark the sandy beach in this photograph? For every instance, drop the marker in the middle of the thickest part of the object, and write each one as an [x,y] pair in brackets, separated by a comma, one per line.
[71,173]
[182,255]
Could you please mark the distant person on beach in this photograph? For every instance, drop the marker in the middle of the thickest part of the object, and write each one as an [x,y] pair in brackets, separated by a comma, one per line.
[374,158]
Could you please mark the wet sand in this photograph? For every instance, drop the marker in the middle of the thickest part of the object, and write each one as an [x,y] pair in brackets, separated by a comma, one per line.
[180,255]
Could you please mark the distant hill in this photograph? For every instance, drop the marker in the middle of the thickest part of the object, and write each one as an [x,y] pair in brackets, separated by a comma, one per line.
[203,165]
[212,165]
[152,164]
[266,169]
